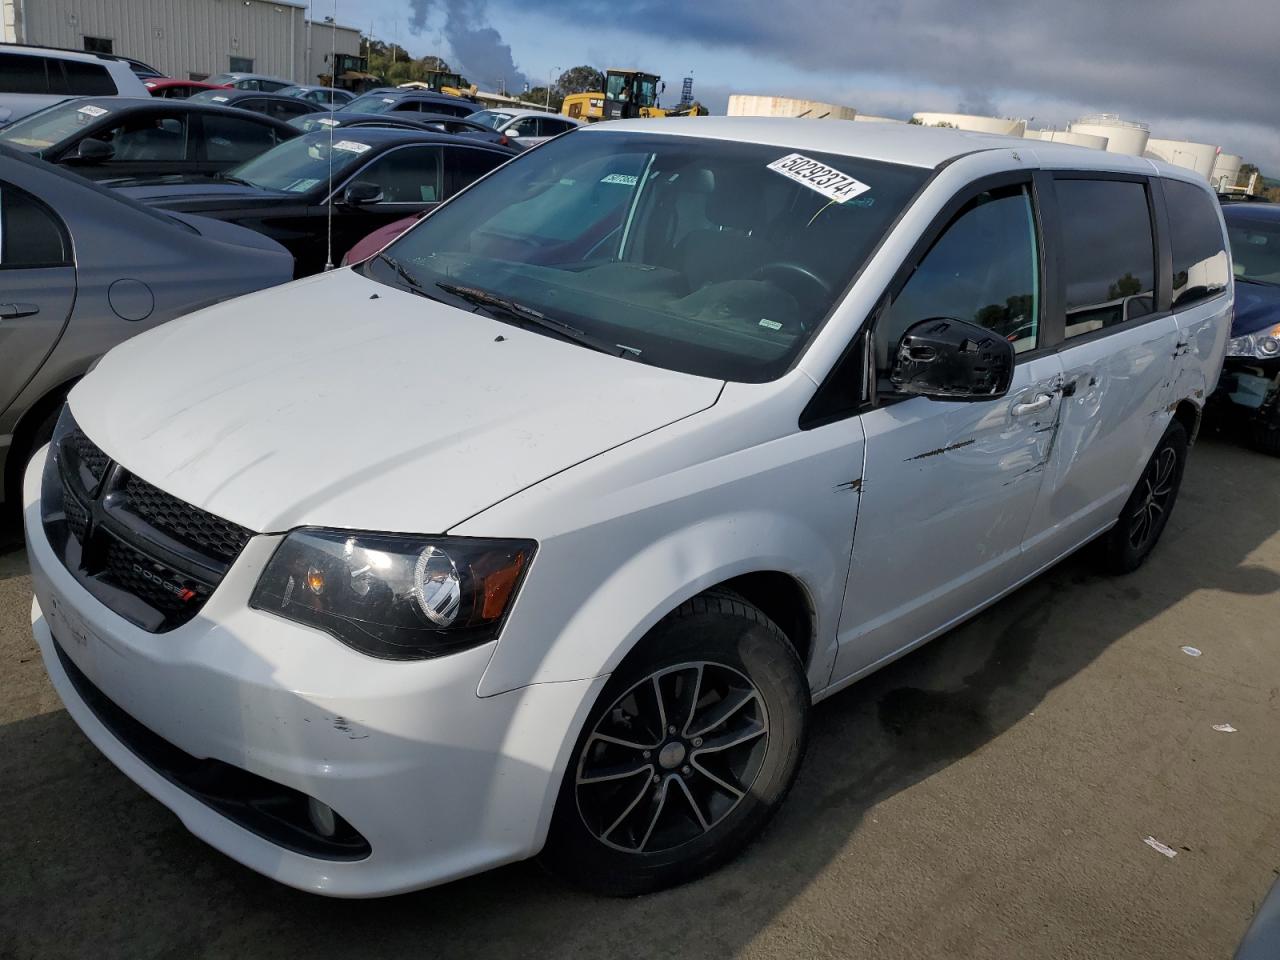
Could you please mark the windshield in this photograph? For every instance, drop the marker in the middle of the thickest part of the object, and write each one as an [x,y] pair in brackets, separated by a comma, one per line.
[490,118]
[51,126]
[212,96]
[693,254]
[294,91]
[223,78]
[630,86]
[314,121]
[370,103]
[298,165]
[1255,249]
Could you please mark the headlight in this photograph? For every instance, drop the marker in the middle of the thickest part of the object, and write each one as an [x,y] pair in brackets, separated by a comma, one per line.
[1262,344]
[395,597]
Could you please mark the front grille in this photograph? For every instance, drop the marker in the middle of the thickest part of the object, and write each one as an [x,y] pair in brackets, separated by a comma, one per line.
[193,526]
[144,553]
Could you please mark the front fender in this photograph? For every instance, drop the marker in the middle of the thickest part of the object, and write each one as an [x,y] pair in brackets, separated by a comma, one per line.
[553,636]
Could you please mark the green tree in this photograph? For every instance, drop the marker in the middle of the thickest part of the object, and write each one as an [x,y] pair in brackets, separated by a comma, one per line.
[582,79]
[538,95]
[1126,286]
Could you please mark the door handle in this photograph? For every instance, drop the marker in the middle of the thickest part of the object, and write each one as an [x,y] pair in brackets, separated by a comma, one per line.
[9,311]
[1041,402]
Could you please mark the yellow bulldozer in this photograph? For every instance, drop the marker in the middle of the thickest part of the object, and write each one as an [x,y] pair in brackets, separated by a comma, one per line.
[442,82]
[627,94]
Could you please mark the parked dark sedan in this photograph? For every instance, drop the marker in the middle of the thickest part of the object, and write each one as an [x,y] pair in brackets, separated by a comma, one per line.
[114,137]
[433,122]
[1250,384]
[271,104]
[411,101]
[379,175]
[84,269]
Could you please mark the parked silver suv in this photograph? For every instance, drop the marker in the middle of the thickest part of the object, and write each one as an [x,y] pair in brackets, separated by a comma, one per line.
[32,78]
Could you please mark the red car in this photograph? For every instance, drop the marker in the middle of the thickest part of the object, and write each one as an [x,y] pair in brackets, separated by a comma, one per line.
[375,241]
[178,89]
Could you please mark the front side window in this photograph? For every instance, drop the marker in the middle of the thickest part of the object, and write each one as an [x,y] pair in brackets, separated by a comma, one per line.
[1200,267]
[1108,257]
[1255,248]
[984,268]
[406,175]
[31,234]
[148,138]
[688,253]
[301,164]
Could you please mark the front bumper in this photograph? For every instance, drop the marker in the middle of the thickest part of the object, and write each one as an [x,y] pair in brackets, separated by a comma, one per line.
[440,782]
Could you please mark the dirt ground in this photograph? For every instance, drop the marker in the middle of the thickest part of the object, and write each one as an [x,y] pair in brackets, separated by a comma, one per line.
[986,797]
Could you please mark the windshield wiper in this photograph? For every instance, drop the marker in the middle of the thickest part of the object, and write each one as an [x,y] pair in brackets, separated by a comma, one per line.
[528,315]
[227,178]
[413,283]
[1261,283]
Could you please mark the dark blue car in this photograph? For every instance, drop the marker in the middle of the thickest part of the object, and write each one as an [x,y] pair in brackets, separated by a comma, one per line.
[1250,384]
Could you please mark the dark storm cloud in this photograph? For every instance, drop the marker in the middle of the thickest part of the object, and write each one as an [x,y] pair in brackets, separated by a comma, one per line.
[1171,58]
[478,50]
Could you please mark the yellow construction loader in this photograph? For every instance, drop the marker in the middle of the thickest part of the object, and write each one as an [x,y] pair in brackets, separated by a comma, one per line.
[442,82]
[627,94]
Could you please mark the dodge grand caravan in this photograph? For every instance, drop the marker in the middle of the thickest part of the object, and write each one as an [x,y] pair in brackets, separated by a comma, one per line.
[541,530]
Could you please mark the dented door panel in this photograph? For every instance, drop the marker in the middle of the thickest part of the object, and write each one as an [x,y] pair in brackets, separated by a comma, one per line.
[947,493]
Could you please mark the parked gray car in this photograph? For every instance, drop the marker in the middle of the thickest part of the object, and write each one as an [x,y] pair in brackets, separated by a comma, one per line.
[83,268]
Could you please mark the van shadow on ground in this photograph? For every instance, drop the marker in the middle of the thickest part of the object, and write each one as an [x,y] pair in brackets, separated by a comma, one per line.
[103,870]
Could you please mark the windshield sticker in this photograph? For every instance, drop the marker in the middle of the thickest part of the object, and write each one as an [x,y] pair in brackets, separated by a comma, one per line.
[388,99]
[831,183]
[328,121]
[625,179]
[770,324]
[92,111]
[351,146]
[218,99]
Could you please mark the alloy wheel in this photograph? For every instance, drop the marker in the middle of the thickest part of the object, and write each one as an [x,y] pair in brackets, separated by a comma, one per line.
[1158,481]
[672,757]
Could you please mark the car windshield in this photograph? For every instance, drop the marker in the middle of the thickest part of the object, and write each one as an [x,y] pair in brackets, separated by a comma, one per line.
[371,103]
[51,126]
[706,256]
[294,91]
[298,165]
[1255,249]
[490,118]
[314,121]
[212,96]
[223,78]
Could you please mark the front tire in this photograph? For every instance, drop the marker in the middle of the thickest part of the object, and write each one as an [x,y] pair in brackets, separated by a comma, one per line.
[692,746]
[1128,544]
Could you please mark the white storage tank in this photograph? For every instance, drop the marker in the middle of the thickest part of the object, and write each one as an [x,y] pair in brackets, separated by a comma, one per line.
[1035,134]
[967,121]
[1199,157]
[753,105]
[1090,140]
[1123,136]
[1226,170]
[868,118]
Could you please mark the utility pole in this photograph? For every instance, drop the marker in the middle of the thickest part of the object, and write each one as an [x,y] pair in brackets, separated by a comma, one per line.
[549,78]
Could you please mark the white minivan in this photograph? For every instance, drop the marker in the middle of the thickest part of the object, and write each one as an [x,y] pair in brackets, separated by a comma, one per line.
[543,529]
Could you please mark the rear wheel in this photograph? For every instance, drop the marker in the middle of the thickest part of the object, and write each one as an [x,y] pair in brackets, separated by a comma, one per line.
[693,745]
[1144,516]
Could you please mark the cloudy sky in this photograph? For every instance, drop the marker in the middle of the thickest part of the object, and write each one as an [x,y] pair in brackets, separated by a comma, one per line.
[1192,69]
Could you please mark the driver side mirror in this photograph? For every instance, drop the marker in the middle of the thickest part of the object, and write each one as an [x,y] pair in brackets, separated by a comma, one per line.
[93,151]
[948,359]
[361,193]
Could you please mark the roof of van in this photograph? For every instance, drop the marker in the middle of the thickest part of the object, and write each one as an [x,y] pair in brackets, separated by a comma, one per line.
[903,143]
[61,53]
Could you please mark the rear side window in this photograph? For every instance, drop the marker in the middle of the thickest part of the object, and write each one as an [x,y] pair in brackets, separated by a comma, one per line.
[235,139]
[31,235]
[20,73]
[87,79]
[406,175]
[984,268]
[1200,267]
[1108,257]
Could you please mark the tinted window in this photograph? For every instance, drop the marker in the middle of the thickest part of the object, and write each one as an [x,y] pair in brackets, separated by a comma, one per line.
[1108,257]
[287,111]
[1255,247]
[30,234]
[984,268]
[235,139]
[407,175]
[1199,258]
[22,74]
[148,138]
[691,252]
[271,85]
[88,79]
[256,104]
[469,165]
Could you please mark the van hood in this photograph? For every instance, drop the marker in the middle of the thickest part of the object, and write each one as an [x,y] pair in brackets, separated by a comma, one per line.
[339,401]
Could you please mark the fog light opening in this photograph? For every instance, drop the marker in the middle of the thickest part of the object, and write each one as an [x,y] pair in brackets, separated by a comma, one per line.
[322,817]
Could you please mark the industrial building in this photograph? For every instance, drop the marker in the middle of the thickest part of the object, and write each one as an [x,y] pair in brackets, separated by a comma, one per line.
[191,39]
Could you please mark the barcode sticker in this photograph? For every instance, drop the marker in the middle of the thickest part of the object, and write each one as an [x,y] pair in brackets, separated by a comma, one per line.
[817,176]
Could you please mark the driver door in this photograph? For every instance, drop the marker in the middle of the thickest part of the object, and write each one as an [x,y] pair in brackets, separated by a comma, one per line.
[948,487]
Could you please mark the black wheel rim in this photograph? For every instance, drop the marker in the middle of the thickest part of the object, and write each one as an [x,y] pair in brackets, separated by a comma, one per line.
[672,757]
[1155,490]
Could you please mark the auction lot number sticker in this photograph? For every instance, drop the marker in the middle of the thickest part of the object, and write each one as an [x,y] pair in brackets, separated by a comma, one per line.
[828,181]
